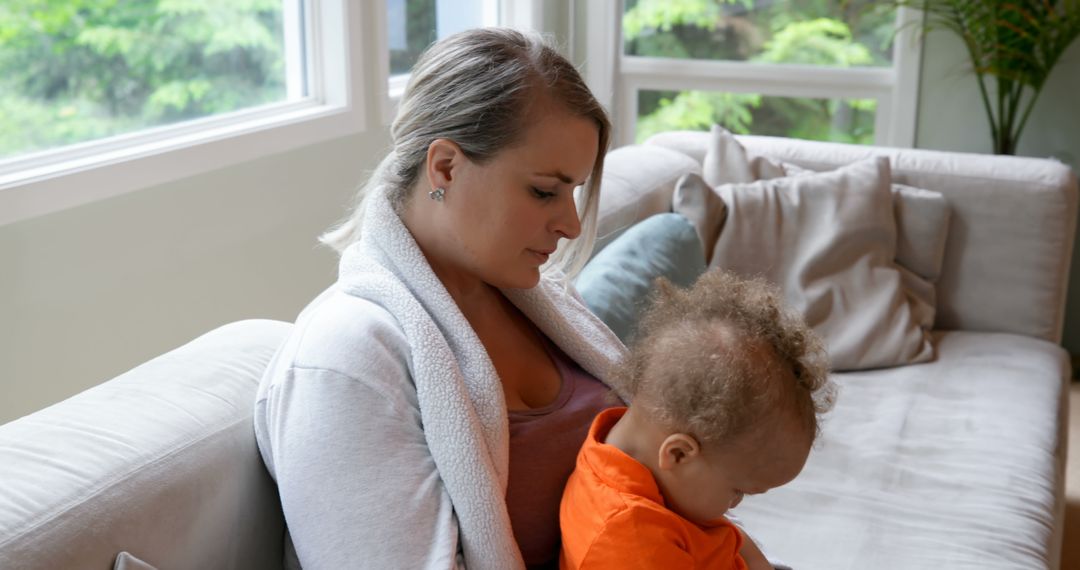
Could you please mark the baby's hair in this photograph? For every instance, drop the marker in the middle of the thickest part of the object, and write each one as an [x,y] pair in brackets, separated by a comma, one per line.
[722,356]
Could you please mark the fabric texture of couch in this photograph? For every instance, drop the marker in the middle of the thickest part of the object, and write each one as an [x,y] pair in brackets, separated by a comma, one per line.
[955,463]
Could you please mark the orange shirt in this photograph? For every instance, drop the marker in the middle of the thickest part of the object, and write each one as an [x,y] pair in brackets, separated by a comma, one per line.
[613,516]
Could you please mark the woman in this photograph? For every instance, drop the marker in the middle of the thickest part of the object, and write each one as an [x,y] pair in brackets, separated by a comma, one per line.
[428,407]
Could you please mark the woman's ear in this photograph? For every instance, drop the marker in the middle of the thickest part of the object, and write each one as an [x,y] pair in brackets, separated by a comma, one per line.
[443,158]
[678,449]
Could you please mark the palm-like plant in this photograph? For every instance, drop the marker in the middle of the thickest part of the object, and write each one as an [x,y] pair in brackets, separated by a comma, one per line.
[1016,42]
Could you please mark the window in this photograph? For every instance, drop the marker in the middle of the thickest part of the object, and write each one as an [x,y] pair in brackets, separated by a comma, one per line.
[103,97]
[72,72]
[841,70]
[837,119]
[413,25]
[98,98]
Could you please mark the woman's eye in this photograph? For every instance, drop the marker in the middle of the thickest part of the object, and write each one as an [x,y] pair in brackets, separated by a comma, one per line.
[542,194]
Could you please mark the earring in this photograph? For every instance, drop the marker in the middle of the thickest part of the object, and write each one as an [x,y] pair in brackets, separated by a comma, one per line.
[437,194]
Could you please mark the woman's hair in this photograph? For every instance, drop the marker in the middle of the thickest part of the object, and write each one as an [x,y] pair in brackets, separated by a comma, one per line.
[723,356]
[475,88]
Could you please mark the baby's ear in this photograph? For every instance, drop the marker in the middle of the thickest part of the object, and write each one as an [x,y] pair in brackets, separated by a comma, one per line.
[678,449]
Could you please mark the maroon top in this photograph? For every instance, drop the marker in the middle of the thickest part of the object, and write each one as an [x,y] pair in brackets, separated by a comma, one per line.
[544,443]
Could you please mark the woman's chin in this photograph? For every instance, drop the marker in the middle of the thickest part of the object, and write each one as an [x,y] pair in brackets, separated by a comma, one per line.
[526,279]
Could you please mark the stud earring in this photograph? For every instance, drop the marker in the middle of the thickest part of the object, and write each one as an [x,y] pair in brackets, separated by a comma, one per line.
[437,194]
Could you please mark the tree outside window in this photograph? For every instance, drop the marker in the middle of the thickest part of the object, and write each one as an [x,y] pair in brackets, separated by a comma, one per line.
[829,33]
[78,70]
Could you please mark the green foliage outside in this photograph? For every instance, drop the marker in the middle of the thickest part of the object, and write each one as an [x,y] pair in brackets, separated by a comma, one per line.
[834,33]
[75,70]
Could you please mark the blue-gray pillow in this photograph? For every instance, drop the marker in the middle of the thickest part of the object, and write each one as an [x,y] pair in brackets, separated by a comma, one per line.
[617,281]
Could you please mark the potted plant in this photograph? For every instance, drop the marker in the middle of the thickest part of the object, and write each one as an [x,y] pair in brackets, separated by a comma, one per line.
[1015,42]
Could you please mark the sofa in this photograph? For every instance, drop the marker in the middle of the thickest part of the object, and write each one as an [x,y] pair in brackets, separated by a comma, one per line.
[956,462]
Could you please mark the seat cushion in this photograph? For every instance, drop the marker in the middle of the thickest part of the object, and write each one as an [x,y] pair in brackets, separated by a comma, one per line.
[160,461]
[950,464]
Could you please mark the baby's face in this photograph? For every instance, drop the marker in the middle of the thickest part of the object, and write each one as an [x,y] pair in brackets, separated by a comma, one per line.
[703,489]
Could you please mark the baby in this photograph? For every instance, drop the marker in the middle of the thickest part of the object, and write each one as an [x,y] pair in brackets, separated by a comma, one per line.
[725,388]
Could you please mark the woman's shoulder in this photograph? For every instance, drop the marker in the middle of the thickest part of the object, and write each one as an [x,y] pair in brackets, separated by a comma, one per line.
[345,334]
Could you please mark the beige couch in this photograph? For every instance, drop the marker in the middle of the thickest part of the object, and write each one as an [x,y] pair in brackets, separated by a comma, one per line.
[953,464]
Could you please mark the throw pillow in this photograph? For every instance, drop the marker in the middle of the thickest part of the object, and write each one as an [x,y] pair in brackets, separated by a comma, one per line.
[922,224]
[125,561]
[616,283]
[696,201]
[627,201]
[828,239]
[922,216]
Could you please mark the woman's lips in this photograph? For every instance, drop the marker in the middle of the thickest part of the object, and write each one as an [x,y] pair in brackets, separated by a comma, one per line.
[542,256]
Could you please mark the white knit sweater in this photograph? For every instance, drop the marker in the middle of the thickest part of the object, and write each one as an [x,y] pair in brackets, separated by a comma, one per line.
[382,418]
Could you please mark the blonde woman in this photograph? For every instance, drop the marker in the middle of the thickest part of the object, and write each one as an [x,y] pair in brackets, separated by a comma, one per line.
[427,408]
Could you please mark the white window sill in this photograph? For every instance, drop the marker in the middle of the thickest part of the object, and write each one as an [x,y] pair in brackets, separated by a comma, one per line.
[73,176]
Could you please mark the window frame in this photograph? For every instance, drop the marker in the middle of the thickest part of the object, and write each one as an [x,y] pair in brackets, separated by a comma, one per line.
[340,33]
[521,14]
[619,77]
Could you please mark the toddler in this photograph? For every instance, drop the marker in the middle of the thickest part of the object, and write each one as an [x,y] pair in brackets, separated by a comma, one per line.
[725,388]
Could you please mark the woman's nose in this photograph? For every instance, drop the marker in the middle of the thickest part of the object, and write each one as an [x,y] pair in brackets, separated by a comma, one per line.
[568,224]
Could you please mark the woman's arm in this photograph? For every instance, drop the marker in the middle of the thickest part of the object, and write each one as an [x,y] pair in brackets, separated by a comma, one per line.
[358,486]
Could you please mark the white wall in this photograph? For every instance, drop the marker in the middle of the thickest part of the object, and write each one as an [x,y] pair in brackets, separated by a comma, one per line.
[90,292]
[951,117]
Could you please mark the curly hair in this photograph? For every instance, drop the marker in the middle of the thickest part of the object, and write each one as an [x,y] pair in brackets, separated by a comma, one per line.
[717,358]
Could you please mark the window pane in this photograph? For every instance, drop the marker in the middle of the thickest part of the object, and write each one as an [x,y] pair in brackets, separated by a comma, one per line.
[840,120]
[841,33]
[85,69]
[413,25]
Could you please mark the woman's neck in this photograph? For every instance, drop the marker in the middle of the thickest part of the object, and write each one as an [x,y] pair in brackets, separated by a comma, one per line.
[469,292]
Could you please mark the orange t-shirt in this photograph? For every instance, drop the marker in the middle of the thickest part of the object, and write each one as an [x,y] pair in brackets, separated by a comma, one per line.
[613,516]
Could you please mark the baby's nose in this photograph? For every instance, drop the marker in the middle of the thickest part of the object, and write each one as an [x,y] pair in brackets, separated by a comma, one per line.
[735,500]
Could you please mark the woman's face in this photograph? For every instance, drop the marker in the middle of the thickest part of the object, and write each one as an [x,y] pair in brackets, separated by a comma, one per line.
[499,221]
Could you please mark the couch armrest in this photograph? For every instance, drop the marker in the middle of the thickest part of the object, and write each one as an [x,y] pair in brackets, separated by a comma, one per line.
[160,461]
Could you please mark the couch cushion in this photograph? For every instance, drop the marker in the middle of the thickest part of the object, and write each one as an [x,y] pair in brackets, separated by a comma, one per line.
[828,240]
[950,464]
[922,216]
[1012,221]
[160,461]
[637,183]
[616,283]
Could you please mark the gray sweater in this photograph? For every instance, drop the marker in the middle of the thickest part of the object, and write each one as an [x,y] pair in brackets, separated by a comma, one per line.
[382,418]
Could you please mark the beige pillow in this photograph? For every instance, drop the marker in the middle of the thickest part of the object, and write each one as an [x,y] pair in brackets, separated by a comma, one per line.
[922,222]
[828,239]
[697,202]
[922,216]
[126,561]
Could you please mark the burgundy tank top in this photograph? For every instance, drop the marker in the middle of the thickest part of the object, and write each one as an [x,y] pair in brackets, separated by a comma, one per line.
[544,443]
